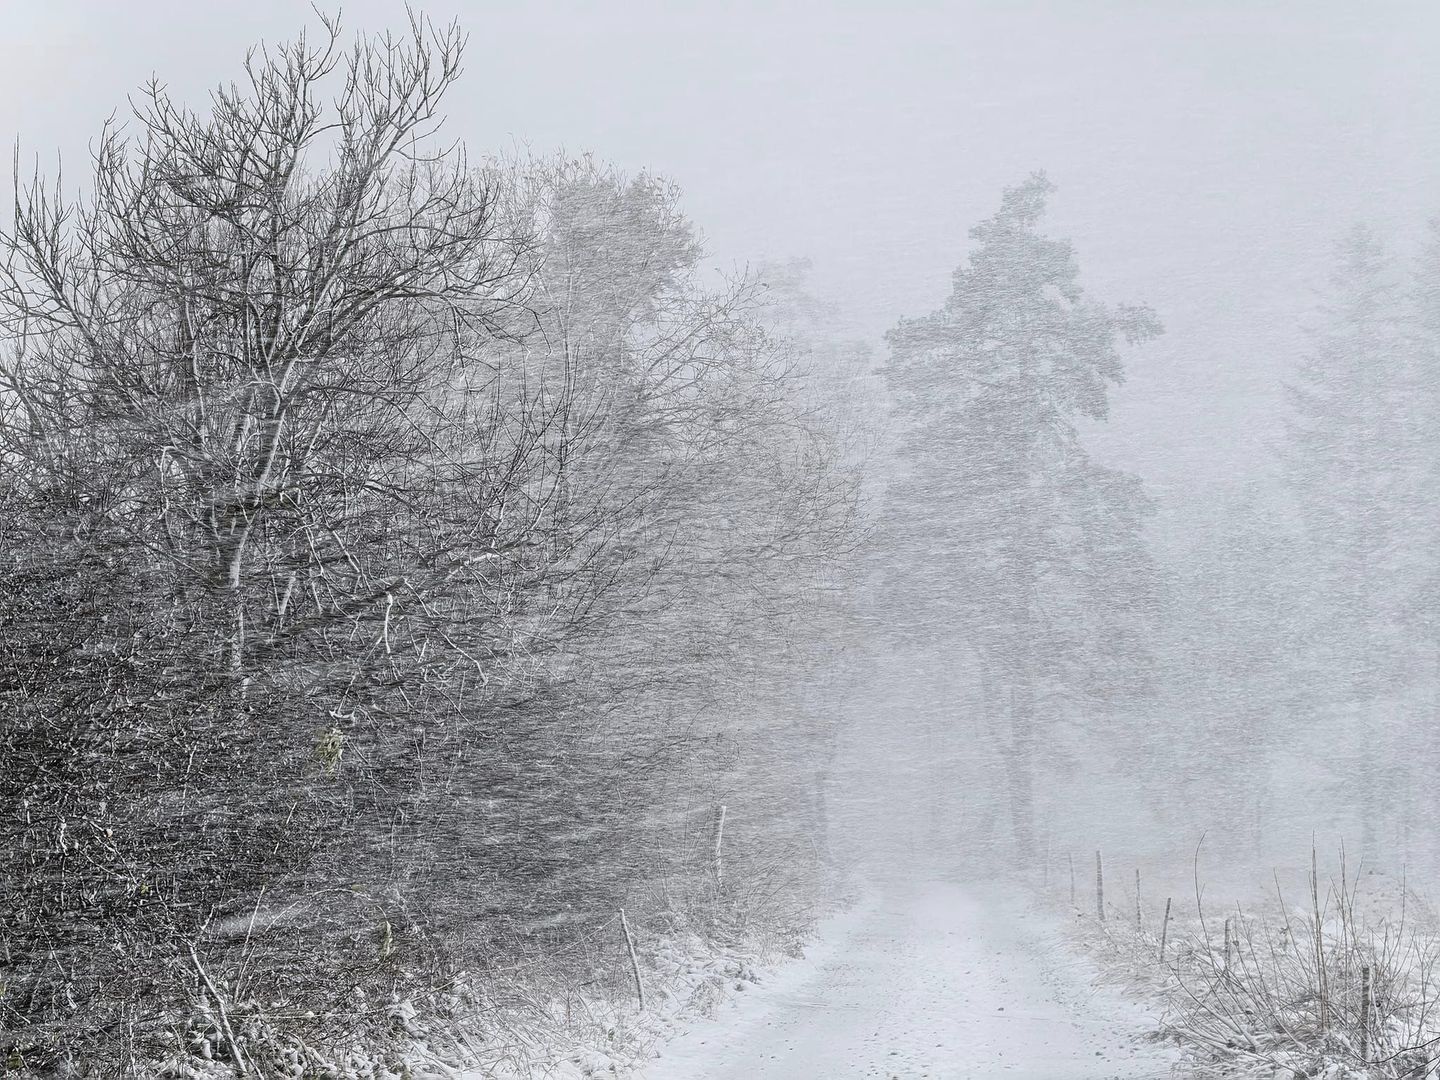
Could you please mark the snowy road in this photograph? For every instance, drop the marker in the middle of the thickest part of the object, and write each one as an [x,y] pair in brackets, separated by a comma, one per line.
[928,981]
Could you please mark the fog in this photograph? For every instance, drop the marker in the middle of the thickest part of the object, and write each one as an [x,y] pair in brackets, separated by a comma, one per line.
[836,445]
[1206,154]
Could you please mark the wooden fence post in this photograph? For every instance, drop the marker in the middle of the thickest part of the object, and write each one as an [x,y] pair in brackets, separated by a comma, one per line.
[634,963]
[719,860]
[1365,1015]
[1319,930]
[1099,889]
[1164,929]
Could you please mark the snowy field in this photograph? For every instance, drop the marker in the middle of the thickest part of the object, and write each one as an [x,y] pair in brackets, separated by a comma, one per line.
[931,980]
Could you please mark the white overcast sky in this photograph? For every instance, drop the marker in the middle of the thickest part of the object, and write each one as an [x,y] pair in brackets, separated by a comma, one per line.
[1208,153]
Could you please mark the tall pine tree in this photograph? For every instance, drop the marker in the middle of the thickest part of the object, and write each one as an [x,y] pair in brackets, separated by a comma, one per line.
[1023,549]
[1350,449]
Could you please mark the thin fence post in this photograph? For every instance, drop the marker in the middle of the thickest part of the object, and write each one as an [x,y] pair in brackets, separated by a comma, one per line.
[634,963]
[1365,1015]
[1099,889]
[1137,898]
[1070,855]
[1164,929]
[1319,930]
[719,859]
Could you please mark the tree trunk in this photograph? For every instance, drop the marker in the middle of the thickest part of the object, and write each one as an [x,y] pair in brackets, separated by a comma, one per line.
[1020,761]
[1369,805]
[821,812]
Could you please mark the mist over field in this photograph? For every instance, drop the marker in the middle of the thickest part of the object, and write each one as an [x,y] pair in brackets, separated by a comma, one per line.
[672,541]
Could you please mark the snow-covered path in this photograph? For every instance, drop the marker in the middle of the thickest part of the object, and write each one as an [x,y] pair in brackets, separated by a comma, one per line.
[925,981]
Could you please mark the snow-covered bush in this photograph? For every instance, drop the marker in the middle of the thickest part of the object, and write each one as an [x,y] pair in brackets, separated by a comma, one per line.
[403,562]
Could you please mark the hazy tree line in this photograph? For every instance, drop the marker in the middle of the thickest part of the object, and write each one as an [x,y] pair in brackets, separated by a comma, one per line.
[1268,677]
[404,561]
[1311,603]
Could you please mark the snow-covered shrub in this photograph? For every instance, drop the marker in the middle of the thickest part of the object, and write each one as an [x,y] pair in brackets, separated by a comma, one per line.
[402,562]
[1330,983]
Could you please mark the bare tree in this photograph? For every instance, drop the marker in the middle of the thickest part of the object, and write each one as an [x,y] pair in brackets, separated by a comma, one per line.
[420,534]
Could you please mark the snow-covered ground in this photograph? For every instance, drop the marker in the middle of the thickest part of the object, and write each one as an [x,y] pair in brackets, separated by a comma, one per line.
[933,980]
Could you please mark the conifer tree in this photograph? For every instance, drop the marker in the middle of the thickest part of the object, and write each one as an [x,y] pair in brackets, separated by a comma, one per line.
[1348,452]
[1031,551]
